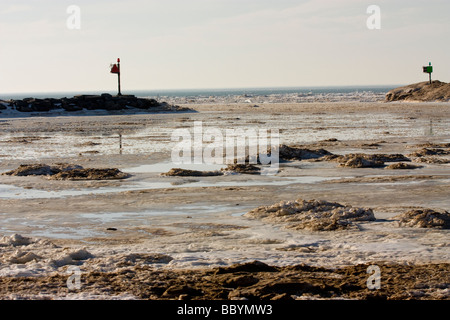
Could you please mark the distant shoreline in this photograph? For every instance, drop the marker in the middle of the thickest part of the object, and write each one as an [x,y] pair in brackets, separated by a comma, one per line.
[208,91]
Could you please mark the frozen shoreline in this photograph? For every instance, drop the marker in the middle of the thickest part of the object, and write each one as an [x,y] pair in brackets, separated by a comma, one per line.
[198,221]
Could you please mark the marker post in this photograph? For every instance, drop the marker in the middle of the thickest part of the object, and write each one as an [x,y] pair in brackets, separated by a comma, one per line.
[118,75]
[116,69]
[428,69]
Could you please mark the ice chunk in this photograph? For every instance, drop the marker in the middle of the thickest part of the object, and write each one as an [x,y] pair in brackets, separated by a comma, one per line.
[74,257]
[15,240]
[24,257]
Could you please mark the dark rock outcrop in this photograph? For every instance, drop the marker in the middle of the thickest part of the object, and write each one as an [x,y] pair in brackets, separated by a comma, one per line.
[104,101]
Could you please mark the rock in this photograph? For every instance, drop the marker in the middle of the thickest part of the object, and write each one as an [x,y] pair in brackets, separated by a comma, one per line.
[72,107]
[22,106]
[41,105]
[106,96]
[424,218]
[104,101]
[34,105]
[148,103]
[111,105]
[422,91]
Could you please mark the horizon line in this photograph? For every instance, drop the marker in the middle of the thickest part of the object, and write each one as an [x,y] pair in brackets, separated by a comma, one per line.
[211,88]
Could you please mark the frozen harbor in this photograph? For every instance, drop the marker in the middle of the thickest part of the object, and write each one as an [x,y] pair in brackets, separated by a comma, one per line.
[199,222]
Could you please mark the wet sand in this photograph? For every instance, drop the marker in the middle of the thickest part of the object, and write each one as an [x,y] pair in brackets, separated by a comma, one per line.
[198,223]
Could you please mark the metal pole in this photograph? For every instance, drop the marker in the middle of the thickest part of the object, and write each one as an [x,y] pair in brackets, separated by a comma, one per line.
[429,63]
[118,74]
[120,143]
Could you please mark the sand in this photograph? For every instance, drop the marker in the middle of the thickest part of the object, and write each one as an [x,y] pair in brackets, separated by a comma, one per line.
[170,237]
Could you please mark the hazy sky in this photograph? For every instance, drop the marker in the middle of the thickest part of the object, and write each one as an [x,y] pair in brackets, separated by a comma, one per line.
[219,44]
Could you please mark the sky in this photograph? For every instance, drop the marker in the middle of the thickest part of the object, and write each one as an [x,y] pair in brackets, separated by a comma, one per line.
[189,44]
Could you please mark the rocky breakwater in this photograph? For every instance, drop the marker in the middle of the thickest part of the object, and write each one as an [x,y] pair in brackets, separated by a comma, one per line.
[104,101]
